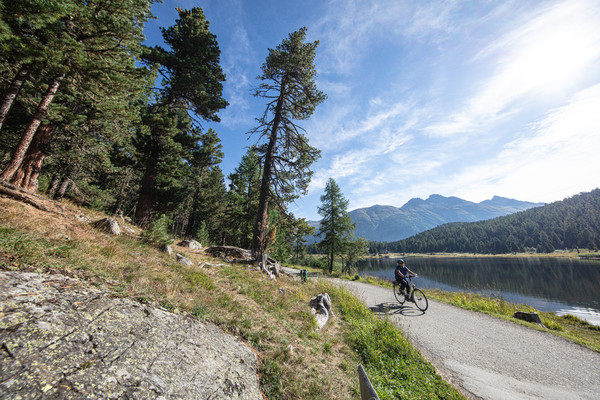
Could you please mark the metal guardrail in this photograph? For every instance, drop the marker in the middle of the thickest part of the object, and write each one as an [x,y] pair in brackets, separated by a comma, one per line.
[366,389]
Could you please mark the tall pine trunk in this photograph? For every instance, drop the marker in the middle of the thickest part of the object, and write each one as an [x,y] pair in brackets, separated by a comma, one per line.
[118,207]
[19,152]
[258,238]
[145,200]
[27,174]
[12,92]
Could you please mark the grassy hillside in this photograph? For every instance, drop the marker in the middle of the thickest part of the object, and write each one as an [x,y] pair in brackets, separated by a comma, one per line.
[273,316]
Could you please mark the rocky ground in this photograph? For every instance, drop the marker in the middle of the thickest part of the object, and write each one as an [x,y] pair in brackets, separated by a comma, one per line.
[62,339]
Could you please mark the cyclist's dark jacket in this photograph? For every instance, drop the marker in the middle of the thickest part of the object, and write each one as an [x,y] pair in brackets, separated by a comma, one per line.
[402,270]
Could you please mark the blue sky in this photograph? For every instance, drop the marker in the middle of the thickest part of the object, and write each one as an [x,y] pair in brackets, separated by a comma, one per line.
[459,98]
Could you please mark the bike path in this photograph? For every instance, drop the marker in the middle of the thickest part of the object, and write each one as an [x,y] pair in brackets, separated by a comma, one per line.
[486,357]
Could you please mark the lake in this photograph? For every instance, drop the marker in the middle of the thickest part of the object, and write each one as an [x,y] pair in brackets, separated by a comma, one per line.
[562,285]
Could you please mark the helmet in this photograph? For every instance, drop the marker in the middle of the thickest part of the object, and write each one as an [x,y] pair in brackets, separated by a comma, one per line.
[401,260]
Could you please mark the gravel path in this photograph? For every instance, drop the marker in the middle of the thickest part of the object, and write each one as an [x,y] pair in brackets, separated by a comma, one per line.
[488,358]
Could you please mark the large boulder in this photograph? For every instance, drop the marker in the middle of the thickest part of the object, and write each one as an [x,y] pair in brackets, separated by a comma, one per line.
[191,244]
[321,309]
[63,339]
[108,225]
[230,252]
[183,260]
[528,317]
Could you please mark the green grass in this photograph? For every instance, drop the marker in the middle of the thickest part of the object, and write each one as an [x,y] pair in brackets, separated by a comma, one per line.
[566,326]
[394,367]
[296,361]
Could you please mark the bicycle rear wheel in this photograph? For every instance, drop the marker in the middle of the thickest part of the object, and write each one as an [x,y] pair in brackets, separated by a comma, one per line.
[420,300]
[398,294]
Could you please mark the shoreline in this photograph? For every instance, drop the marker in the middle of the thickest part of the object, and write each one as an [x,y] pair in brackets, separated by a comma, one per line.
[592,256]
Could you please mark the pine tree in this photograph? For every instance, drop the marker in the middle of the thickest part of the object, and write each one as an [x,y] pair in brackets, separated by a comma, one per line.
[336,226]
[288,83]
[192,80]
[242,203]
[163,142]
[83,53]
[190,67]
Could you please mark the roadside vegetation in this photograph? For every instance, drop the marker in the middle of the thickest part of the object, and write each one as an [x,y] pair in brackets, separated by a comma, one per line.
[273,316]
[567,326]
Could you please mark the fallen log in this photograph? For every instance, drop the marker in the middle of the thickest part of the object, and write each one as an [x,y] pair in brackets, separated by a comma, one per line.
[34,200]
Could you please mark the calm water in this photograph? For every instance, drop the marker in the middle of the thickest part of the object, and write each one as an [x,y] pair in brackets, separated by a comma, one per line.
[565,286]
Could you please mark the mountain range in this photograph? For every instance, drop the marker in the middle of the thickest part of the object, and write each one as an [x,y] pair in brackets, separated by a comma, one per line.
[389,223]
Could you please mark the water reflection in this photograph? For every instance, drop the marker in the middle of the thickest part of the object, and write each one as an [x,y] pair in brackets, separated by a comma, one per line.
[548,284]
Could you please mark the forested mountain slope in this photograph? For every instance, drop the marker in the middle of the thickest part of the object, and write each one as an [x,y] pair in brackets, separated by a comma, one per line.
[567,224]
[417,215]
[389,223]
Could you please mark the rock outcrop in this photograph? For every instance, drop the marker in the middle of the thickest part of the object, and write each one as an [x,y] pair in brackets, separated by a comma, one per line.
[321,309]
[191,244]
[528,317]
[108,225]
[230,253]
[60,338]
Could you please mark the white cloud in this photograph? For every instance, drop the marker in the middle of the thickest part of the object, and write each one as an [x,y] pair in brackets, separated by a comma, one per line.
[544,56]
[556,158]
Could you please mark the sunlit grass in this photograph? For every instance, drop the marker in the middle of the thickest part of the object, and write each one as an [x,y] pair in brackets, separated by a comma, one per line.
[567,326]
[296,361]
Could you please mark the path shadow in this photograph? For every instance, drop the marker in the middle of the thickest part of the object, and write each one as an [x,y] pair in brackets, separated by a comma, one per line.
[407,309]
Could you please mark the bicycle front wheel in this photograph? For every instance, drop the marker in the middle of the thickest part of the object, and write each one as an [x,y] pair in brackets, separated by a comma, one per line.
[398,294]
[420,300]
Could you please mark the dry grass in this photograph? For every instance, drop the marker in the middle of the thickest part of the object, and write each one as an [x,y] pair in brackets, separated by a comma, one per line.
[296,360]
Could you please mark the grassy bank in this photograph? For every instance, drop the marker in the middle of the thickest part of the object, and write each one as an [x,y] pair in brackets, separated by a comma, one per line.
[296,360]
[582,254]
[566,326]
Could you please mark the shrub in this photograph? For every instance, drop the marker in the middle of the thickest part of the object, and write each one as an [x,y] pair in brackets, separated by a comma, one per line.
[158,232]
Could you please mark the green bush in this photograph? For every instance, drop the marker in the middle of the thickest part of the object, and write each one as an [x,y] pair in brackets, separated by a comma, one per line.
[158,232]
[202,235]
[200,279]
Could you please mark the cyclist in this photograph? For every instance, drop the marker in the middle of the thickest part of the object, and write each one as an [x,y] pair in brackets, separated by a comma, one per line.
[401,273]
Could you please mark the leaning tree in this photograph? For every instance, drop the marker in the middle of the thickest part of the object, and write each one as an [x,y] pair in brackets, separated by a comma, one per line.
[77,50]
[288,83]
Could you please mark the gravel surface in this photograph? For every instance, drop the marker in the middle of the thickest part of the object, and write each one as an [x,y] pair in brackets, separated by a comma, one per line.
[489,358]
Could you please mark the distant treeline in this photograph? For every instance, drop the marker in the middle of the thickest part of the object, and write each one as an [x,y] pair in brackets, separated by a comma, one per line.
[573,223]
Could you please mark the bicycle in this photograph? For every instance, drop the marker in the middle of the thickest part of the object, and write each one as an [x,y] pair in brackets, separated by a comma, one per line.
[414,294]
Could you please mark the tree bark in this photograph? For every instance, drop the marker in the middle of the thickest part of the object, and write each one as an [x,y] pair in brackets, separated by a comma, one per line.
[53,185]
[117,209]
[60,193]
[27,175]
[258,238]
[34,200]
[12,92]
[40,113]
[145,200]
